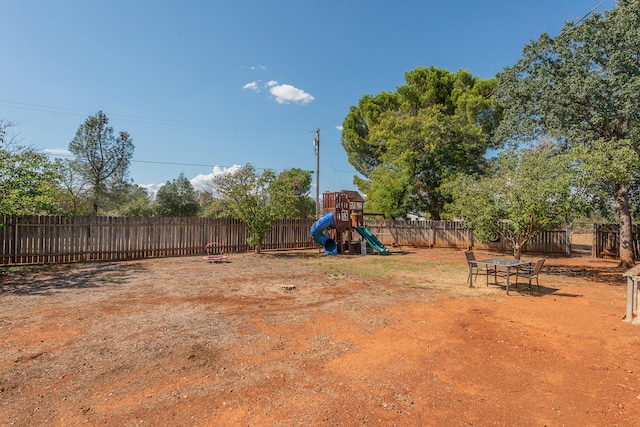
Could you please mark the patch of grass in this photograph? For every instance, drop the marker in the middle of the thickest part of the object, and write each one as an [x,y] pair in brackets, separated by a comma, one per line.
[421,286]
[365,266]
[398,270]
[451,268]
[24,269]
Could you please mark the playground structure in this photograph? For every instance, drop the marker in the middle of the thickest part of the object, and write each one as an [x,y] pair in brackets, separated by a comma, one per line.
[344,216]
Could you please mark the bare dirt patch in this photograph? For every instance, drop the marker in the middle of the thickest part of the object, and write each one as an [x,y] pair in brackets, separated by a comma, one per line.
[299,338]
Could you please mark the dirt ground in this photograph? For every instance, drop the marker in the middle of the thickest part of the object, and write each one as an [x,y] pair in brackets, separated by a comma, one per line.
[302,339]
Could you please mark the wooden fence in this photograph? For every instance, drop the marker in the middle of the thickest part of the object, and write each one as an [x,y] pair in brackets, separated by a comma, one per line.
[40,239]
[454,234]
[45,239]
[606,240]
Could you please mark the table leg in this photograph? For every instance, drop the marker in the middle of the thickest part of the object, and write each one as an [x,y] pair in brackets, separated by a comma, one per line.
[470,276]
[508,275]
[632,300]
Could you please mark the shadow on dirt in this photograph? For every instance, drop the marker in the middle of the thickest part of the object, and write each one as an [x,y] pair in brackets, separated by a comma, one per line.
[315,254]
[544,291]
[610,275]
[47,279]
[292,255]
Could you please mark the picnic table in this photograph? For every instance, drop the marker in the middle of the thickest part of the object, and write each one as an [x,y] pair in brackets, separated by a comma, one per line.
[505,263]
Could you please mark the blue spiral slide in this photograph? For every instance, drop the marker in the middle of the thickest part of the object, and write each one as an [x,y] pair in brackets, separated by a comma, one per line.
[329,245]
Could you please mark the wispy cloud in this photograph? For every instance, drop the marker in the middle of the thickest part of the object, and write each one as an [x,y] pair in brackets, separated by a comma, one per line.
[57,151]
[254,67]
[252,86]
[339,127]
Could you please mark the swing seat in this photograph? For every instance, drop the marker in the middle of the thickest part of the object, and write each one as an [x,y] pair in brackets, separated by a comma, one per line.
[215,252]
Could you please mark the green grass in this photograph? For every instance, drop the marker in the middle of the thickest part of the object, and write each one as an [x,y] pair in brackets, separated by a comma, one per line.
[24,269]
[366,266]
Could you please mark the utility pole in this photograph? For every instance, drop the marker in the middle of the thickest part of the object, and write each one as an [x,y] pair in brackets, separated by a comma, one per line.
[316,145]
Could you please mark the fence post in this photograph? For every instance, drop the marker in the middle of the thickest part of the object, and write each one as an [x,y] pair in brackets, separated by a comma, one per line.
[631,314]
[432,237]
[15,242]
[89,241]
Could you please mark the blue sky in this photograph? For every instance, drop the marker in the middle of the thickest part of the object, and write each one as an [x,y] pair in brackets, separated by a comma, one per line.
[202,86]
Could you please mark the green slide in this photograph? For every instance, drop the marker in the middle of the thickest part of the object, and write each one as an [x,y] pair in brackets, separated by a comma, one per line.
[372,240]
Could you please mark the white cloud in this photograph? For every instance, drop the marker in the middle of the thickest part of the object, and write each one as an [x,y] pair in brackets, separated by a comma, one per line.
[339,128]
[57,151]
[201,182]
[283,93]
[252,86]
[286,93]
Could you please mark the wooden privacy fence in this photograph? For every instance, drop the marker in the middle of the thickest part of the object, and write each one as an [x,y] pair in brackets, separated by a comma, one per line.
[47,239]
[606,240]
[454,234]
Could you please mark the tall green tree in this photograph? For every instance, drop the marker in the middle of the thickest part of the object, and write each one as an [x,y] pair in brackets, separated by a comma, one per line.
[290,192]
[177,198]
[27,178]
[260,200]
[582,90]
[407,143]
[102,156]
[139,206]
[524,192]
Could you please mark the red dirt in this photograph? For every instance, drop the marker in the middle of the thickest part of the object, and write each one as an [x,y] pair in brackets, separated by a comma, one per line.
[298,338]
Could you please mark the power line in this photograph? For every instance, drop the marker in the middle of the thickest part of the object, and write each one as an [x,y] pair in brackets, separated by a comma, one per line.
[578,22]
[140,119]
[158,162]
[590,12]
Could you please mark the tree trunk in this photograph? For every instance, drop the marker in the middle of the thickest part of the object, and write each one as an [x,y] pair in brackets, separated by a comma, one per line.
[258,247]
[517,251]
[627,256]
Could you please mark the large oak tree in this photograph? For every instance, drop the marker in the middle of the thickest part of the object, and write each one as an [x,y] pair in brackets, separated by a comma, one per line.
[582,90]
